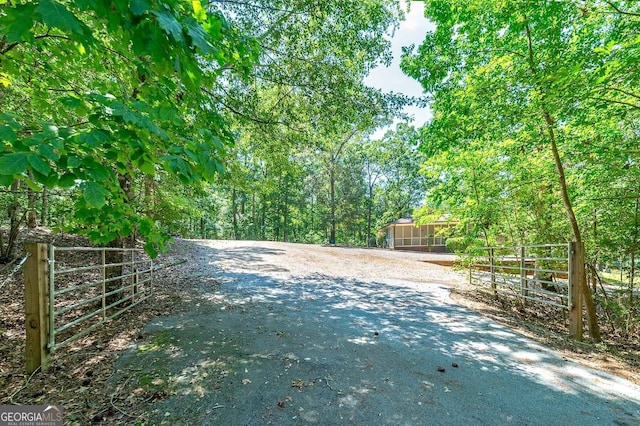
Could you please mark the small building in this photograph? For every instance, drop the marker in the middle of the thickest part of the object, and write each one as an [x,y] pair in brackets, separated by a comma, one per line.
[404,234]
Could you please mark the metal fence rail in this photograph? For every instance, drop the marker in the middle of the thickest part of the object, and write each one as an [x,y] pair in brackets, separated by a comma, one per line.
[83,295]
[14,270]
[537,273]
[71,291]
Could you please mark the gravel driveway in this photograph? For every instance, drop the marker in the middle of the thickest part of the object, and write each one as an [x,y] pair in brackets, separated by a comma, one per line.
[302,334]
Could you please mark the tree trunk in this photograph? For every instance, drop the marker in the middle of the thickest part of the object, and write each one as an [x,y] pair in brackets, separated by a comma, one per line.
[483,226]
[369,210]
[332,200]
[592,274]
[149,200]
[32,216]
[15,219]
[312,214]
[234,209]
[263,220]
[254,231]
[115,257]
[592,319]
[285,217]
[632,272]
[44,208]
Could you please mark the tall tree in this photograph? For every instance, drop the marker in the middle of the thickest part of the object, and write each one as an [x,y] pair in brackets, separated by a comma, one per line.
[305,96]
[525,80]
[112,90]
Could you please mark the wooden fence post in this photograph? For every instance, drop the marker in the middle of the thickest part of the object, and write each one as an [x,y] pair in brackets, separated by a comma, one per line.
[523,276]
[36,280]
[493,271]
[575,279]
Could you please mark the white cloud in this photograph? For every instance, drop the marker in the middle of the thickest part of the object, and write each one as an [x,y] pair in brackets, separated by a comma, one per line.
[391,79]
[415,18]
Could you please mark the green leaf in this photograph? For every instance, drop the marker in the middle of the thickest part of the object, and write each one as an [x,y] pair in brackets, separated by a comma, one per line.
[68,180]
[75,104]
[48,152]
[95,194]
[6,180]
[96,170]
[14,163]
[19,21]
[198,11]
[198,36]
[130,117]
[57,143]
[58,16]
[167,113]
[217,142]
[93,139]
[51,131]
[151,250]
[139,7]
[50,180]
[33,185]
[11,120]
[7,134]
[35,140]
[169,24]
[146,166]
[74,162]
[38,164]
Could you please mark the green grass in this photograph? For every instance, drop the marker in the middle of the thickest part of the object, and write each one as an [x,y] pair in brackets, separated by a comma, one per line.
[613,277]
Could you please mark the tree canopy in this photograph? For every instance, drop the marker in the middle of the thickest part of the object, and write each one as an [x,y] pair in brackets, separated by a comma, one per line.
[510,80]
[127,110]
[536,119]
[100,93]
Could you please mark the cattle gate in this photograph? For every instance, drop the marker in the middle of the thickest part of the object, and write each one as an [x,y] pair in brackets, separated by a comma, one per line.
[71,291]
[539,273]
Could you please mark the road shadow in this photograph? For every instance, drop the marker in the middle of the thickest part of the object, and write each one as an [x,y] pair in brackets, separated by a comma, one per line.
[322,350]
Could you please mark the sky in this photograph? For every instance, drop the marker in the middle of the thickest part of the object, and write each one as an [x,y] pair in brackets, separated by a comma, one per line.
[391,79]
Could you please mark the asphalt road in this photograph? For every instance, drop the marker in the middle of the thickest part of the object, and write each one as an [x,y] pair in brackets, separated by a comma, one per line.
[300,334]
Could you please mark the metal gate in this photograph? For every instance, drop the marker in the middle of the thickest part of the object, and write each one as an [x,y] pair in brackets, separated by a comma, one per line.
[82,298]
[70,291]
[538,273]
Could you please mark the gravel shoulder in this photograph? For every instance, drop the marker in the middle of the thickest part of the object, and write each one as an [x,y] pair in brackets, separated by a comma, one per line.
[277,333]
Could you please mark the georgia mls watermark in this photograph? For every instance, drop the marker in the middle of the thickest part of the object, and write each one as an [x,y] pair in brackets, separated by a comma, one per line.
[31,415]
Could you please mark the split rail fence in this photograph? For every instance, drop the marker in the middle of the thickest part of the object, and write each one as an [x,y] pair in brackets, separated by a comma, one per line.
[71,291]
[542,273]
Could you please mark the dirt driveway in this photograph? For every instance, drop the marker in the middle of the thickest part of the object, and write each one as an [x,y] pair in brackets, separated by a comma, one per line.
[300,334]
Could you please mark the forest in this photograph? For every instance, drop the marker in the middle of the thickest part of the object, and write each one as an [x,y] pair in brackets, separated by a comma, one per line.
[219,120]
[250,120]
